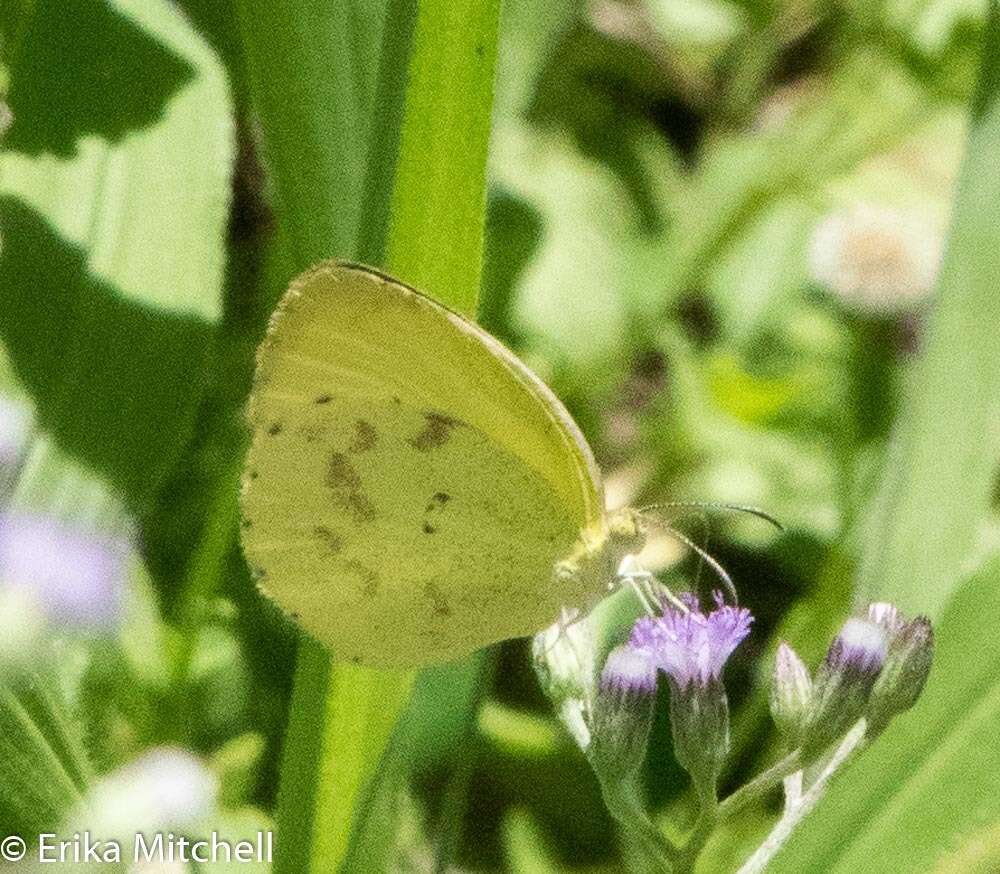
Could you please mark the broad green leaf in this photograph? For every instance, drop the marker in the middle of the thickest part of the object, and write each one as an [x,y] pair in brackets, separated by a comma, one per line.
[593,258]
[525,845]
[927,787]
[314,68]
[114,195]
[940,469]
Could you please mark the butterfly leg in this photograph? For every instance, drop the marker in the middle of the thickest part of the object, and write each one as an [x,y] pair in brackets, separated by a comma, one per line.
[648,589]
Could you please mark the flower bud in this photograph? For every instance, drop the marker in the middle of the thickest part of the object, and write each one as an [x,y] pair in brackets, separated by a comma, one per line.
[844,683]
[791,694]
[563,657]
[622,713]
[692,647]
[699,721]
[907,666]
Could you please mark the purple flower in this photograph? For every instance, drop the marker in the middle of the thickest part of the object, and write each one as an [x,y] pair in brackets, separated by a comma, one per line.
[622,713]
[692,647]
[859,648]
[628,672]
[74,576]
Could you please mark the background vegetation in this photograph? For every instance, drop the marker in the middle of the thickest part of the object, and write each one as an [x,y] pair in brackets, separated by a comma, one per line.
[679,197]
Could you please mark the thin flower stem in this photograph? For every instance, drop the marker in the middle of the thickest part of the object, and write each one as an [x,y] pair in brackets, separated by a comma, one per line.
[798,807]
[624,805]
[760,785]
[708,818]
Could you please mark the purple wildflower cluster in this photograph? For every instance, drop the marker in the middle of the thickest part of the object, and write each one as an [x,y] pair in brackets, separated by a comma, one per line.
[875,668]
[76,578]
[53,573]
[692,647]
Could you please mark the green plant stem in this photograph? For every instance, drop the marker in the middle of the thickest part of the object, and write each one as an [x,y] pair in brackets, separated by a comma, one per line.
[389,168]
[760,785]
[623,803]
[798,807]
[708,818]
[201,581]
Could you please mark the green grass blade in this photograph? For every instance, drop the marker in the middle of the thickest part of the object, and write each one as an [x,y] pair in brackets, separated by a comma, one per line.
[941,465]
[439,199]
[365,145]
[313,69]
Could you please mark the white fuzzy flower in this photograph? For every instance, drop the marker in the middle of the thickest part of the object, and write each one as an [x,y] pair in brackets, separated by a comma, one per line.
[164,790]
[876,259]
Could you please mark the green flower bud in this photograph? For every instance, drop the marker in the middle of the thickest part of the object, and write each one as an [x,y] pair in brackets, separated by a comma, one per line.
[907,666]
[699,719]
[563,657]
[622,714]
[843,684]
[791,694]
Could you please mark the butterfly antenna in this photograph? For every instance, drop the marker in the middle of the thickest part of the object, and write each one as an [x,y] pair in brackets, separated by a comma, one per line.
[715,505]
[720,571]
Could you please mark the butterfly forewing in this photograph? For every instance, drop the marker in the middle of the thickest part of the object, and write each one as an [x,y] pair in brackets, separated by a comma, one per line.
[410,483]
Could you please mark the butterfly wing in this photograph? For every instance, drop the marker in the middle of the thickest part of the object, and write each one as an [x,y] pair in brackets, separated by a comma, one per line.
[410,482]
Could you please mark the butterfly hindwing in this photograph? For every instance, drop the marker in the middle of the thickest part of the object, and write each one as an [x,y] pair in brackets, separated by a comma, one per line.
[410,484]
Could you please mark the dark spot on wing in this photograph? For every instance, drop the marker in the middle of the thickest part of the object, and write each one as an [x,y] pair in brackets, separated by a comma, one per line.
[361,507]
[368,577]
[480,51]
[428,528]
[246,524]
[323,399]
[396,399]
[340,473]
[365,437]
[294,616]
[333,540]
[436,431]
[437,501]
[345,484]
[439,603]
[275,429]
[253,474]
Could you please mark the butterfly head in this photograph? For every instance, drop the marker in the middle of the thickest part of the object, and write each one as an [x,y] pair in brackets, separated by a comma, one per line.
[625,534]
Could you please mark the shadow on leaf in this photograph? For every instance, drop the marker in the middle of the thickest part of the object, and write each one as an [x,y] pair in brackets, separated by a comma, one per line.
[87,72]
[116,382]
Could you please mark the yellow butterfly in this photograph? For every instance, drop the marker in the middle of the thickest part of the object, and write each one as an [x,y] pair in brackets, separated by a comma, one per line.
[413,491]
